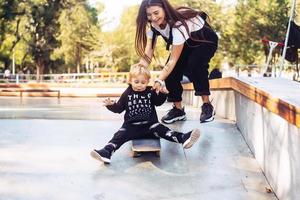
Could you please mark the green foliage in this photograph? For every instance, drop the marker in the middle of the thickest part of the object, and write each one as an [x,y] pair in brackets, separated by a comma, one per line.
[253,21]
[10,12]
[43,27]
[216,20]
[79,35]
[117,47]
[56,35]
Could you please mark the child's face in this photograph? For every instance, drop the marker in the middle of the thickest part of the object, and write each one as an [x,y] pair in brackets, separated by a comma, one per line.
[139,83]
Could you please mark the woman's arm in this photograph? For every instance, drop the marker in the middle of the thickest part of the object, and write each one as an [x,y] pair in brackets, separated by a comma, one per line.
[148,52]
[175,53]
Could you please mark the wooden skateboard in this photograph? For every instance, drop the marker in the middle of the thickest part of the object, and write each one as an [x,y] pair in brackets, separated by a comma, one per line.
[140,146]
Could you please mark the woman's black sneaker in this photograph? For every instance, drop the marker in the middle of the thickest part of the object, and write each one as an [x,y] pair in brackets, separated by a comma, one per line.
[190,138]
[174,115]
[102,155]
[207,114]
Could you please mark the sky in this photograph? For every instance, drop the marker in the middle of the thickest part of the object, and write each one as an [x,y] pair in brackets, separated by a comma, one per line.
[113,11]
[114,8]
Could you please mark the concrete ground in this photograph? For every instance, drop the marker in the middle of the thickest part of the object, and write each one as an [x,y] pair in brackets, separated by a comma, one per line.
[45,146]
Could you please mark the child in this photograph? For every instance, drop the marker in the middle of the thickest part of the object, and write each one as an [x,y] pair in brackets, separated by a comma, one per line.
[140,119]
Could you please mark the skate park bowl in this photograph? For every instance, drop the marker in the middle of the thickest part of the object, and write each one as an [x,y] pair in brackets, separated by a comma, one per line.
[250,150]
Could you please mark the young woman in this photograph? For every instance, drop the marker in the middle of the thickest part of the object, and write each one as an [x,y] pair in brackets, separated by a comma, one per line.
[193,45]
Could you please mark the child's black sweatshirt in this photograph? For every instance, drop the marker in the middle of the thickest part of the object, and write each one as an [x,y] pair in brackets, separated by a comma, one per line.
[139,106]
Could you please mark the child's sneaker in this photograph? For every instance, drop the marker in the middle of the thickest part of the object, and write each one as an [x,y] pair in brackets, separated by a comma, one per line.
[103,155]
[190,138]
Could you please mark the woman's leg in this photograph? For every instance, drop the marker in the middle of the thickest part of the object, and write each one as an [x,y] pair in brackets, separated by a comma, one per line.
[173,84]
[198,65]
[178,105]
[175,91]
[205,99]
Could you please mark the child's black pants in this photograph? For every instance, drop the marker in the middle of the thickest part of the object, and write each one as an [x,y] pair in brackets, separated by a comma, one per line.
[144,131]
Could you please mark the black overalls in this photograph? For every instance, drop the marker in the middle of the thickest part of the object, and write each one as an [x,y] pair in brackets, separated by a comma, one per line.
[193,62]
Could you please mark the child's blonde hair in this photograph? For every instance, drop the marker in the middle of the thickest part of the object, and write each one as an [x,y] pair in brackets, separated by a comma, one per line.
[136,70]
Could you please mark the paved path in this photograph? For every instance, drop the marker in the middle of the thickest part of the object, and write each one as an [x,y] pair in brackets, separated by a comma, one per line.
[45,155]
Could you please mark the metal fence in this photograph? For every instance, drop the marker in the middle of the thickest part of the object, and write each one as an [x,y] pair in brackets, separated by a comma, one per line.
[107,77]
[288,72]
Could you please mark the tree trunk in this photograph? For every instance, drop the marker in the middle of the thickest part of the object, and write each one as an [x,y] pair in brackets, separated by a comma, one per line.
[78,57]
[7,63]
[78,67]
[39,70]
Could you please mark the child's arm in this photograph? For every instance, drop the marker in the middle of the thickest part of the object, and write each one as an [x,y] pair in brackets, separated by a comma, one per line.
[116,107]
[159,98]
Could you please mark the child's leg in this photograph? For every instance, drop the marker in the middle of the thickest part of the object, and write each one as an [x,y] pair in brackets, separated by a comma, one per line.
[120,137]
[162,131]
[186,139]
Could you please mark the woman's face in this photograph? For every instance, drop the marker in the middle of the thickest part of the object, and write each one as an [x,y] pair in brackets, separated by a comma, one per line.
[156,15]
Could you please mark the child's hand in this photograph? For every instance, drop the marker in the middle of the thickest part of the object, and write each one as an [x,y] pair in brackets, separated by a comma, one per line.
[108,102]
[164,90]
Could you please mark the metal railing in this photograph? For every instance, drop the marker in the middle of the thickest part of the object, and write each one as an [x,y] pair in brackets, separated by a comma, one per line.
[107,77]
[288,72]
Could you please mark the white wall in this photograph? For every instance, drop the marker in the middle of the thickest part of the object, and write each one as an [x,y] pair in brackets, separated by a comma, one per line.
[274,142]
[222,100]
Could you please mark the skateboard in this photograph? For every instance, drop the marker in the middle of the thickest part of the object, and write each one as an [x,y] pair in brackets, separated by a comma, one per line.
[140,146]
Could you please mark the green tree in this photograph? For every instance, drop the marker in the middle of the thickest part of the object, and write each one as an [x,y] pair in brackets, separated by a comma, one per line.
[10,12]
[118,52]
[43,27]
[79,34]
[253,21]
[297,13]
[216,20]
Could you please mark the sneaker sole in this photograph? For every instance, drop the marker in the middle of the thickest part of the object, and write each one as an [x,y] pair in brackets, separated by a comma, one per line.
[193,138]
[208,120]
[182,118]
[95,155]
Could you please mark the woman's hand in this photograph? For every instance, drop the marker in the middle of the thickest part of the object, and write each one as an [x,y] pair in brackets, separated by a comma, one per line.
[108,102]
[160,86]
[156,86]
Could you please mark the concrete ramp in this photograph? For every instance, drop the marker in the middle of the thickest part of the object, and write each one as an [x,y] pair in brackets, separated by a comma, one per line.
[47,157]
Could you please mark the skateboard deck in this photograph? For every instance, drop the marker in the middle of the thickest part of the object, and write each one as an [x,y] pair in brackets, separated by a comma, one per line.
[140,146]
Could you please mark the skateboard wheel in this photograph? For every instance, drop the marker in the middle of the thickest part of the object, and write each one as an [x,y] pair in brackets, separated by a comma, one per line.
[136,154]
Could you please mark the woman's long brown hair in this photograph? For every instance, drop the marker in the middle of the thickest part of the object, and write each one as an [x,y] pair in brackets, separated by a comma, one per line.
[172,16]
